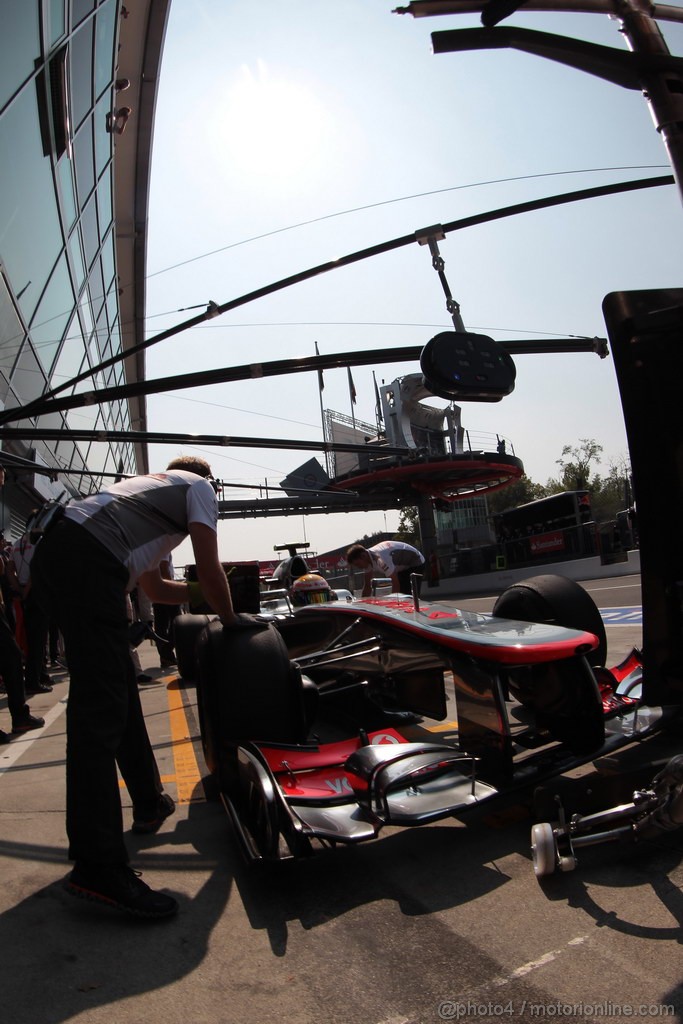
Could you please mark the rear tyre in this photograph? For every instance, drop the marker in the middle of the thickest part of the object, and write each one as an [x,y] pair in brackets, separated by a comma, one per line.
[186,630]
[558,600]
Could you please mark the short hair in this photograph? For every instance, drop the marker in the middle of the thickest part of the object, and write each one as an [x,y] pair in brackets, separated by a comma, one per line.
[354,552]
[191,464]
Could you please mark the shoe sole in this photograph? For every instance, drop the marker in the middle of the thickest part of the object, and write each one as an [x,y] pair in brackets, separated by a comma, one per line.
[147,827]
[144,828]
[91,896]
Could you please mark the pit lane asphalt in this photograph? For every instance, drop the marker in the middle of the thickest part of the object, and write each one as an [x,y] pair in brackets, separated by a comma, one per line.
[441,922]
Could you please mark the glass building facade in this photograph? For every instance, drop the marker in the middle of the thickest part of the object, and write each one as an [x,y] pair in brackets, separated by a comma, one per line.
[63,109]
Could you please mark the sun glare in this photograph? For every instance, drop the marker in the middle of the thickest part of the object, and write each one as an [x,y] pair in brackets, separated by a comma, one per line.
[272,127]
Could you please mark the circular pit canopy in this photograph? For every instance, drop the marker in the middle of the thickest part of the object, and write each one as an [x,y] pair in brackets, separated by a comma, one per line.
[448,478]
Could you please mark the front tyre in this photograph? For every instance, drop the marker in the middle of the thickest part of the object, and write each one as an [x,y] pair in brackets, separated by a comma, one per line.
[558,600]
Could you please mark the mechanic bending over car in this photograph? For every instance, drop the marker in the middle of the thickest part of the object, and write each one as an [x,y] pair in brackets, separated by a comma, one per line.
[83,568]
[390,558]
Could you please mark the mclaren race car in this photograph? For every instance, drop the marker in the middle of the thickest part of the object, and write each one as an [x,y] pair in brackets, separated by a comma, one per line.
[325,726]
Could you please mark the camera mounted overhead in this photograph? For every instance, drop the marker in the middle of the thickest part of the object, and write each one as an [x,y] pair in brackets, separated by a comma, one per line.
[457,364]
[467,367]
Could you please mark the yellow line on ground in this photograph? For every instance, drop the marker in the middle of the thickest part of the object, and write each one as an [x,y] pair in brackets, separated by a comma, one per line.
[188,775]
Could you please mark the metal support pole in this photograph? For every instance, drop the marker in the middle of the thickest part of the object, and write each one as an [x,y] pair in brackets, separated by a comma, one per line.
[663,90]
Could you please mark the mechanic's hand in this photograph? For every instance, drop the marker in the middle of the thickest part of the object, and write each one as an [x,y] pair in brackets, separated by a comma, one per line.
[196,599]
[245,621]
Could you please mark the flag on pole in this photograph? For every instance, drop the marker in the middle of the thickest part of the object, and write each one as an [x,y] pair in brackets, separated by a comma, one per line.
[352,386]
[321,382]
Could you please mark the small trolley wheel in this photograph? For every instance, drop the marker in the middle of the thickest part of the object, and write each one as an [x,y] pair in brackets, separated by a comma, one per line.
[567,862]
[543,849]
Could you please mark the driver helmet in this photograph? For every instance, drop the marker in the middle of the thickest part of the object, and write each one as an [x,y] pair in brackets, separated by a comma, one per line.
[310,589]
[290,569]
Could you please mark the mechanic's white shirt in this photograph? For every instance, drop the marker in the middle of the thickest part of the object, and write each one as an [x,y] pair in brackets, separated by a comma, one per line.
[21,555]
[390,556]
[142,519]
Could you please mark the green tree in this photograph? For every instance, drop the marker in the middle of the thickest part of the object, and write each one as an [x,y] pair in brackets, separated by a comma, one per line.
[408,525]
[576,470]
[612,493]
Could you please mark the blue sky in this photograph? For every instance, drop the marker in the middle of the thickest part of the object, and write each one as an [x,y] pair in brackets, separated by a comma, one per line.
[288,134]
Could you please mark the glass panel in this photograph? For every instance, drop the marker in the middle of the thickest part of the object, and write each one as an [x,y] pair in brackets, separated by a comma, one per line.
[91,239]
[51,421]
[19,45]
[112,305]
[11,331]
[53,314]
[106,354]
[27,380]
[64,453]
[81,72]
[98,299]
[77,259]
[57,22]
[30,233]
[115,339]
[103,138]
[77,461]
[80,9]
[86,314]
[83,418]
[70,358]
[104,45]
[66,191]
[83,160]
[104,204]
[4,389]
[109,269]
[93,352]
[97,456]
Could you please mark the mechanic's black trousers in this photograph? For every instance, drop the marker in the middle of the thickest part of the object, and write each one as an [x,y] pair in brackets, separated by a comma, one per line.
[76,579]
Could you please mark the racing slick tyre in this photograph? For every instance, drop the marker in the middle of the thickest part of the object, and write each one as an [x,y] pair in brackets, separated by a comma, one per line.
[247,689]
[559,600]
[563,694]
[186,630]
[543,849]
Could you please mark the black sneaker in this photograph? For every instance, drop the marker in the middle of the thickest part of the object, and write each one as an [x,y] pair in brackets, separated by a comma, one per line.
[40,688]
[120,887]
[152,822]
[4,737]
[27,723]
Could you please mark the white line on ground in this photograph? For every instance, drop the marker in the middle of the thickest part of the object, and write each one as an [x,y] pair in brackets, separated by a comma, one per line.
[12,752]
[533,965]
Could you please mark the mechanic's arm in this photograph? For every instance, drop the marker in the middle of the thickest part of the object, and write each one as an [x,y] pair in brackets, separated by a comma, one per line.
[162,591]
[367,584]
[210,572]
[212,578]
[395,585]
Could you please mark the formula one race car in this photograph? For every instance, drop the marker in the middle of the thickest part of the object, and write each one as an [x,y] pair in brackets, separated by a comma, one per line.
[327,725]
